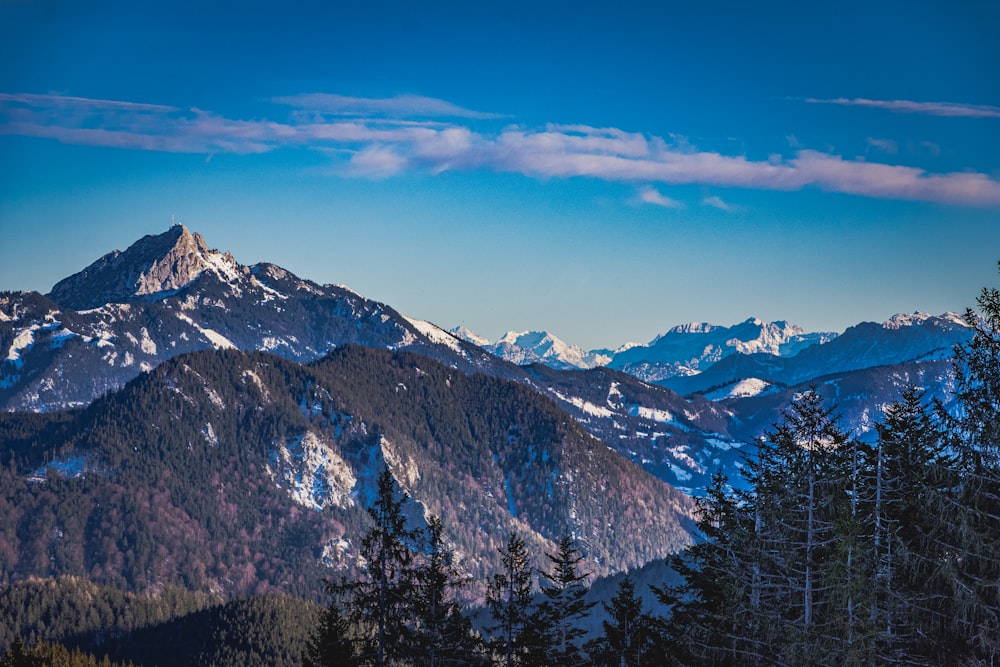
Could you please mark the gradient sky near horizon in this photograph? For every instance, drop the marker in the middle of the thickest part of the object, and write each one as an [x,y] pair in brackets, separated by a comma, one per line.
[603,171]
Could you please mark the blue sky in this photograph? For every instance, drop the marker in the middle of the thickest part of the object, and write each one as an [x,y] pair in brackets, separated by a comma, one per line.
[603,171]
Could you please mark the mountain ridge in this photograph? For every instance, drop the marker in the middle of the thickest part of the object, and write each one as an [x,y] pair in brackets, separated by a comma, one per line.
[239,473]
[200,299]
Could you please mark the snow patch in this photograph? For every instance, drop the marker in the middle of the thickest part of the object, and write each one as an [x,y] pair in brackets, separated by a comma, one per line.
[24,340]
[723,445]
[146,343]
[615,397]
[69,467]
[435,334]
[511,506]
[742,389]
[219,341]
[404,470]
[654,414]
[256,381]
[581,404]
[681,474]
[315,475]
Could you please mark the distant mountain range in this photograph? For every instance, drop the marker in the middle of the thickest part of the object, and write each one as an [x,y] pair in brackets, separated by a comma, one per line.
[770,362]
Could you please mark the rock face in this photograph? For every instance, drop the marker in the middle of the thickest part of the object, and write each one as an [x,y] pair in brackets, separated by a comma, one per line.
[152,266]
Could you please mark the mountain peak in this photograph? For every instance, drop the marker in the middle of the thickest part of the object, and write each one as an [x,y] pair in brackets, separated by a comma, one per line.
[918,318]
[153,265]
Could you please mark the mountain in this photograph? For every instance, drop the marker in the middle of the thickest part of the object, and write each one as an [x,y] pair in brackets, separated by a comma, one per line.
[857,397]
[245,473]
[152,267]
[904,338]
[177,296]
[169,294]
[737,381]
[689,349]
[530,347]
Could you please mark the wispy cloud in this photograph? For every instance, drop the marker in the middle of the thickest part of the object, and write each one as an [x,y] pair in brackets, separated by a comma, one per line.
[401,106]
[716,202]
[379,146]
[885,145]
[651,195]
[908,106]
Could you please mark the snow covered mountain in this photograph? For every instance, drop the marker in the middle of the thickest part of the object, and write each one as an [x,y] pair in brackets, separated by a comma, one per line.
[689,349]
[903,338]
[152,267]
[531,347]
[169,294]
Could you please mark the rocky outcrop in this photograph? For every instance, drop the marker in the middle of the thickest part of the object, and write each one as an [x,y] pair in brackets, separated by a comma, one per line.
[151,266]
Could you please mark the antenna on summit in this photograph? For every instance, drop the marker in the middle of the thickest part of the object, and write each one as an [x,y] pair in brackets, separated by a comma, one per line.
[173,223]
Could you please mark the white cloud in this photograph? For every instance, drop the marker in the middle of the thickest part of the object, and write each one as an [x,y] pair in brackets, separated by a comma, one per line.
[381,147]
[908,106]
[651,195]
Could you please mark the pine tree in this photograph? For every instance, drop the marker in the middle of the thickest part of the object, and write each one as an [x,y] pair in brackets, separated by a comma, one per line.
[628,639]
[564,607]
[382,601]
[443,634]
[509,598]
[911,475]
[779,576]
[800,493]
[330,643]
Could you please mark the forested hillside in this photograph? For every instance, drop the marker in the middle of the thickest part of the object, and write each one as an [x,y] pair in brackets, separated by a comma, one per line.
[240,474]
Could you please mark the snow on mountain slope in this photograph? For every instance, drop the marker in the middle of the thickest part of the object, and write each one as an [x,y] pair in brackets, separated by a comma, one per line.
[900,339]
[436,334]
[169,294]
[530,347]
[689,349]
[470,336]
[740,389]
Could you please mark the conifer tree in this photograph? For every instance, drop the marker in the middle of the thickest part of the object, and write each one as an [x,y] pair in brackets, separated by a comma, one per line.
[382,601]
[628,639]
[910,477]
[509,598]
[443,635]
[564,606]
[712,613]
[801,495]
[330,643]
